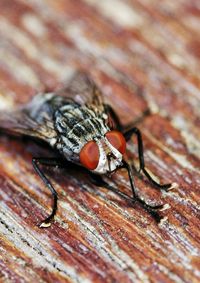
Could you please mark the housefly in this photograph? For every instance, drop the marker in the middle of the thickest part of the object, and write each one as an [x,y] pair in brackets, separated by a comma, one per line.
[84,130]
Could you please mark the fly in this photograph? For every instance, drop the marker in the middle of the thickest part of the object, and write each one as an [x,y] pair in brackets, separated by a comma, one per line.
[85,131]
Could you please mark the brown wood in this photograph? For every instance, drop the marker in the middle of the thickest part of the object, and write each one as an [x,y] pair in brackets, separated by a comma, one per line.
[143,54]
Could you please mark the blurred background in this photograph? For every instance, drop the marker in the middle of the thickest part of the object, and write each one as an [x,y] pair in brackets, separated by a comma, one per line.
[144,55]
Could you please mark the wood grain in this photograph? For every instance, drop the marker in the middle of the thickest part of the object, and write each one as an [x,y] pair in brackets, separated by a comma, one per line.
[142,54]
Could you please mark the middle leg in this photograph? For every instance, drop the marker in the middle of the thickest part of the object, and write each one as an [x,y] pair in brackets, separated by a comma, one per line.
[142,168]
[55,162]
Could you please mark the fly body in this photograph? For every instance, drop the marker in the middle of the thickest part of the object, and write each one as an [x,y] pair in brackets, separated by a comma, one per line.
[76,125]
[84,138]
[87,132]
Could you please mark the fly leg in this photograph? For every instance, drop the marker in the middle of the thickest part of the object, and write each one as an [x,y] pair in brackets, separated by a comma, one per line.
[98,181]
[110,111]
[127,136]
[151,209]
[48,162]
[112,114]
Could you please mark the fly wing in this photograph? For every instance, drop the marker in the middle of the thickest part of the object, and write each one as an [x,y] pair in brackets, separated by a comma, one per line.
[36,118]
[83,90]
[33,119]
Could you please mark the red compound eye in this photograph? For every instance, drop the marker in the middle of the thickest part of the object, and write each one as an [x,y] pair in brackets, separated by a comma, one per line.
[117,140]
[89,155]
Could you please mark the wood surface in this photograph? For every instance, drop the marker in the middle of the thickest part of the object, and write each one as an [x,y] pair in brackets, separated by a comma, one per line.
[143,54]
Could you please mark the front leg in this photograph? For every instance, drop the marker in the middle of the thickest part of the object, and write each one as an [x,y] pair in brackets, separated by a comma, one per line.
[47,162]
[113,117]
[152,210]
[136,132]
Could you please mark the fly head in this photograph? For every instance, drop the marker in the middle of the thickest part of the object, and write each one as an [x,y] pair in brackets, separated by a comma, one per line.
[104,154]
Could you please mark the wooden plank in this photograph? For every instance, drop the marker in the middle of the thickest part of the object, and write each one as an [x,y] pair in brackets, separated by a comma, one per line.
[142,54]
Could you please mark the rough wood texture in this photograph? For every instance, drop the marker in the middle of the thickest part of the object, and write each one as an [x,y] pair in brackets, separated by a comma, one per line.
[142,54]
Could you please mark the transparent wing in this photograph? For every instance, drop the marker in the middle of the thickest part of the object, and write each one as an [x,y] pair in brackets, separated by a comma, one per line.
[36,118]
[83,90]
[33,119]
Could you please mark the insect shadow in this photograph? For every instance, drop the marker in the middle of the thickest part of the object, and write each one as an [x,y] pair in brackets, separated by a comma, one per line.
[84,131]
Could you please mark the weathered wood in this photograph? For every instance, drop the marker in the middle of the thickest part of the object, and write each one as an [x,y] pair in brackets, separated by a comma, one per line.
[143,54]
